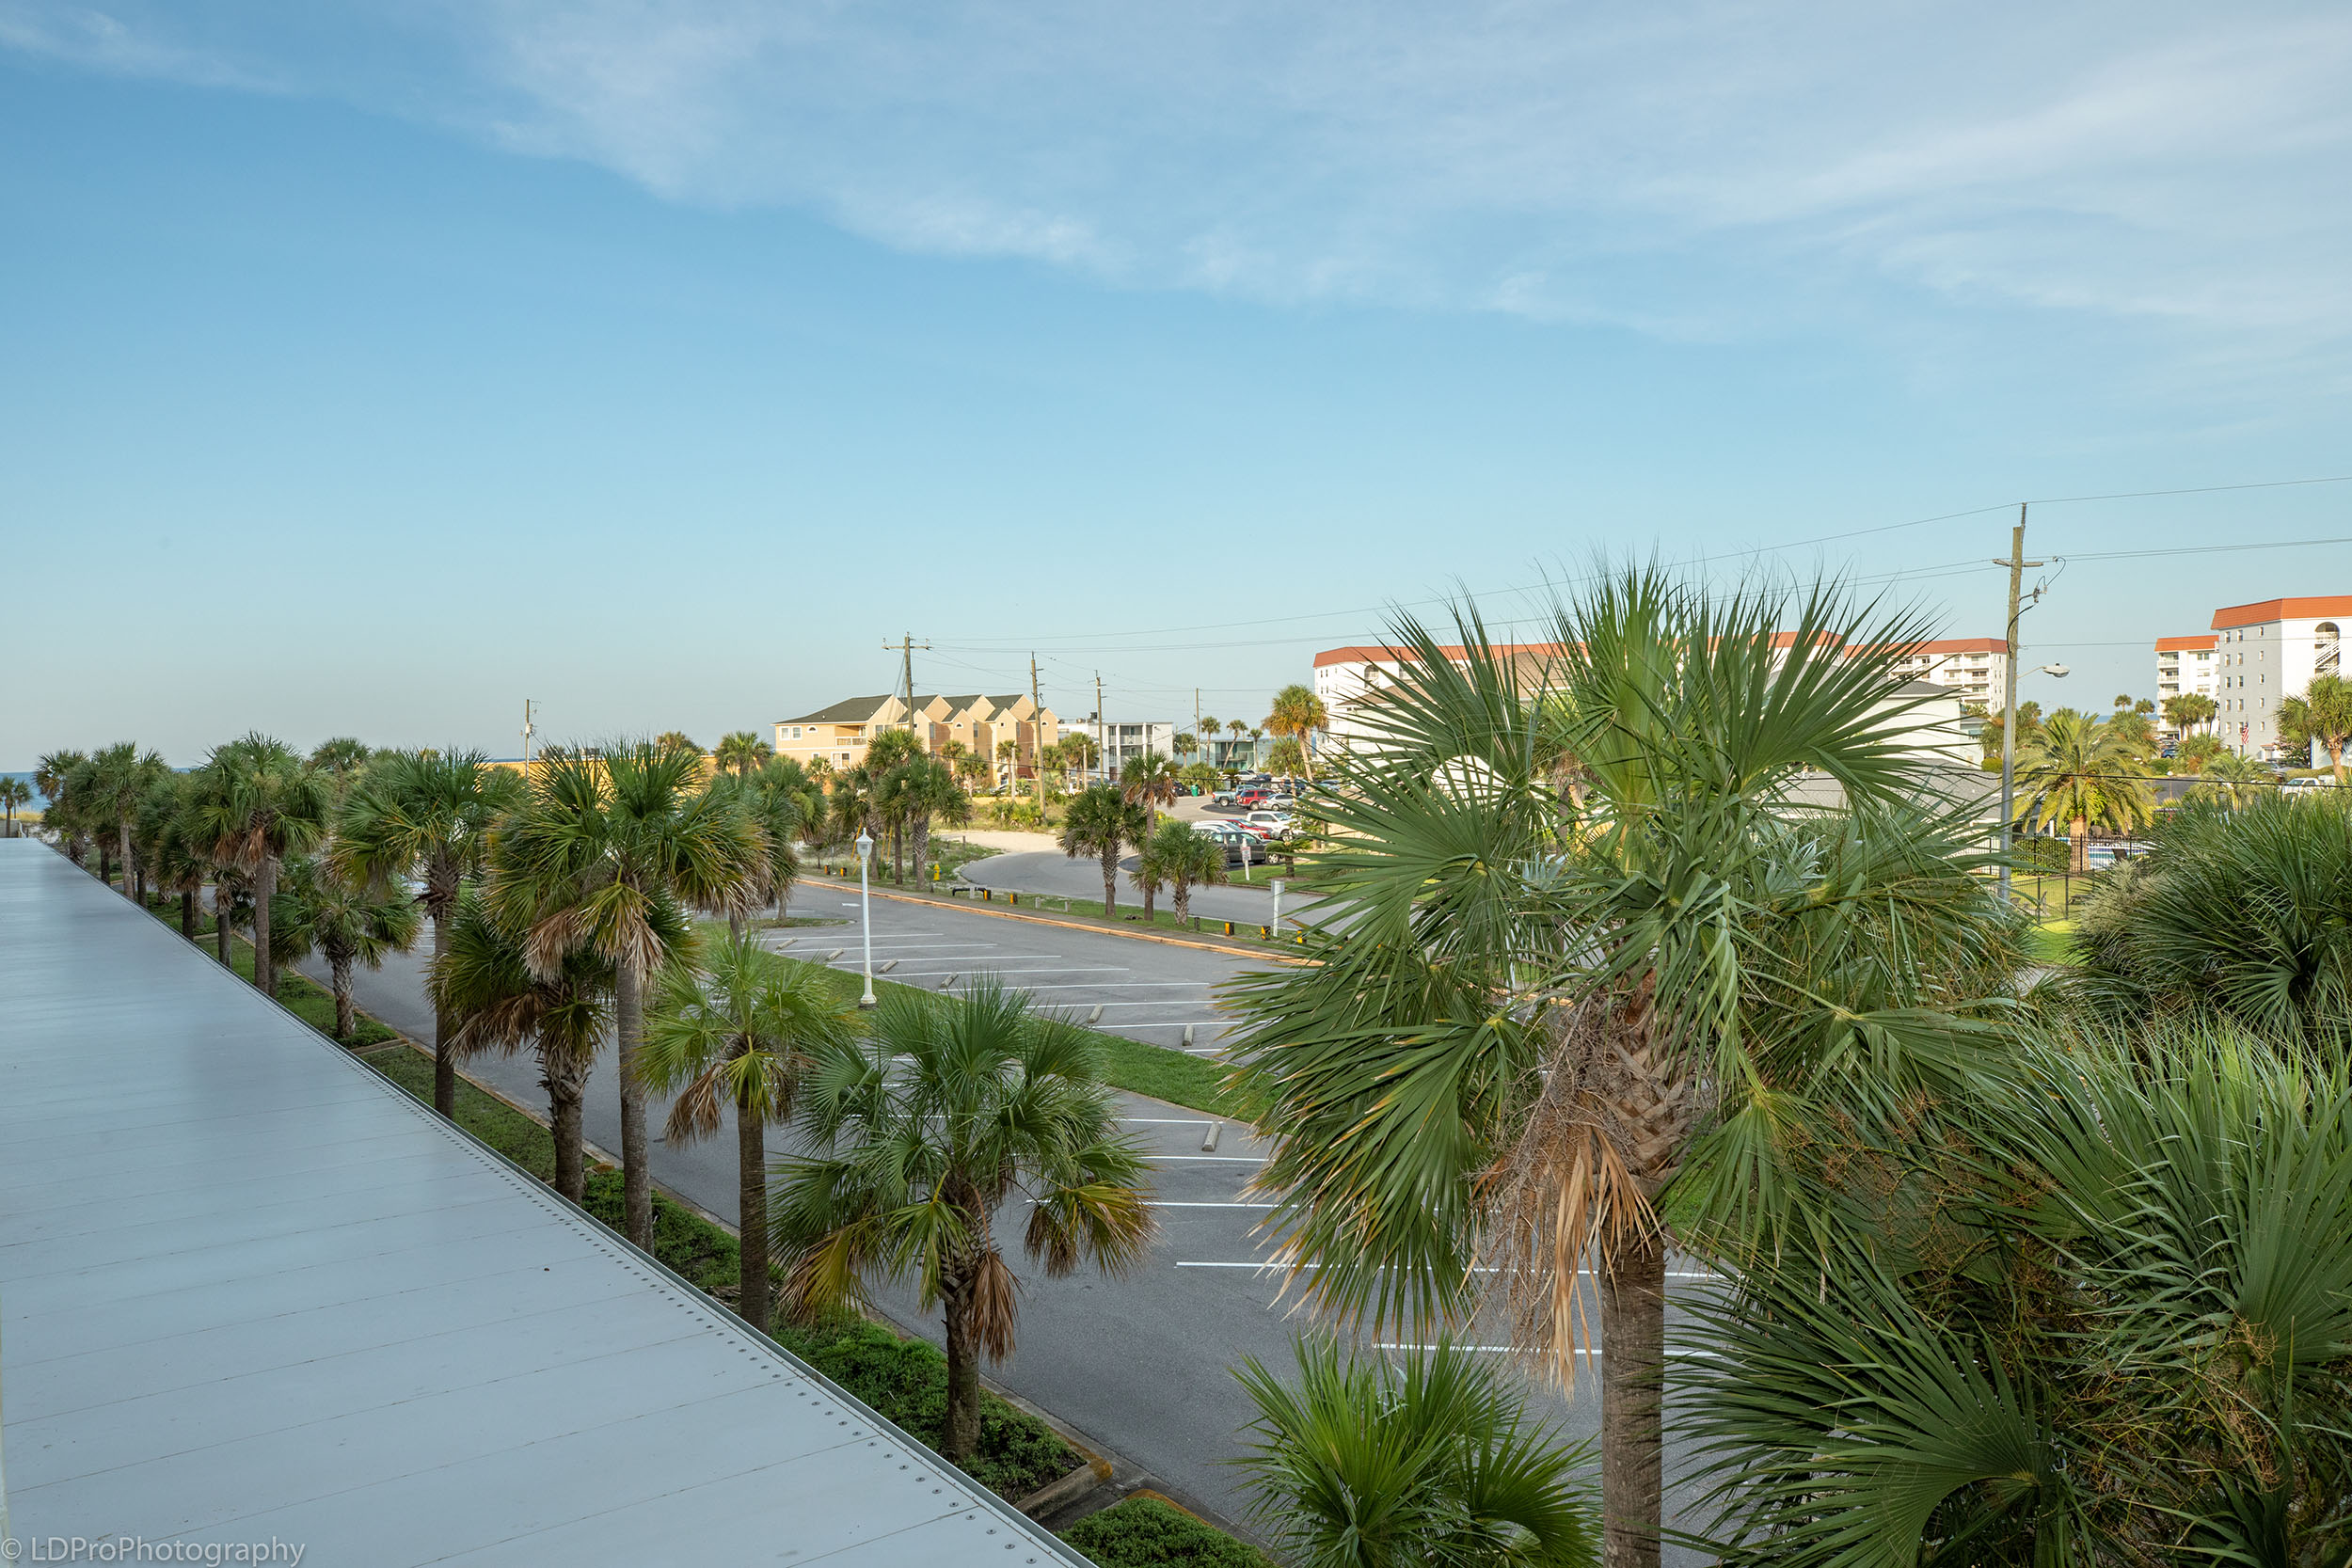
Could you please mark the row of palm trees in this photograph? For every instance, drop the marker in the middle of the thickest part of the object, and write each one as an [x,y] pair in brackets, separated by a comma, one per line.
[1104,820]
[1612,993]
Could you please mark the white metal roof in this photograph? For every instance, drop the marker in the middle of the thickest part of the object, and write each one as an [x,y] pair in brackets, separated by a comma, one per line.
[250,1292]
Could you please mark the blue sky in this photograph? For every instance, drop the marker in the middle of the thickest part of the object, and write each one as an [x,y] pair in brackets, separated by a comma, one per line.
[368,367]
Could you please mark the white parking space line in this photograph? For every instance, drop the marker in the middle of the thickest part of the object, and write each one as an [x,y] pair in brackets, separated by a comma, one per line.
[954,967]
[1129,984]
[1163,1203]
[1215,1159]
[1581,1352]
[1167,1121]
[1482,1269]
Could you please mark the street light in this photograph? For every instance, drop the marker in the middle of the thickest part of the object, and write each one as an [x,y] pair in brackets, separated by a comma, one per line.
[865,912]
[2058,669]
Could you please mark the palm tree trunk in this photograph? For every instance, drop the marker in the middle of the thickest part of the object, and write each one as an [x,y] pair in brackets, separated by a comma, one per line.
[629,1018]
[444,1047]
[264,886]
[122,830]
[922,845]
[1632,1389]
[105,863]
[2078,845]
[188,913]
[222,905]
[566,1089]
[963,1377]
[1110,880]
[1183,892]
[898,854]
[751,1216]
[339,969]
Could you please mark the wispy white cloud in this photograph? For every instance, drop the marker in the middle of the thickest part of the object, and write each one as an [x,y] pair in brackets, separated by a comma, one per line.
[1700,167]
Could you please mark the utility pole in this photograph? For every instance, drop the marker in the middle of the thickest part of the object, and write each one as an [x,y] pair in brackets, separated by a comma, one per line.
[907,645]
[1037,742]
[1196,716]
[1101,731]
[527,732]
[2016,562]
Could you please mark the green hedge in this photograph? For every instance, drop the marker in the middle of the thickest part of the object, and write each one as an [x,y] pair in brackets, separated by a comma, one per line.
[1143,1531]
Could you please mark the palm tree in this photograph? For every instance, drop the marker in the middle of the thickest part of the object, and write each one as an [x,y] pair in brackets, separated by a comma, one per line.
[1007,759]
[1182,858]
[1286,757]
[738,1038]
[787,806]
[14,792]
[427,815]
[677,740]
[608,856]
[121,778]
[927,790]
[1185,743]
[483,981]
[318,909]
[1101,823]
[1427,1459]
[2085,774]
[2189,710]
[2226,778]
[1208,728]
[1563,992]
[742,751]
[1297,714]
[177,860]
[340,758]
[51,776]
[1149,782]
[253,803]
[2323,714]
[2117,1336]
[920,1139]
[2235,913]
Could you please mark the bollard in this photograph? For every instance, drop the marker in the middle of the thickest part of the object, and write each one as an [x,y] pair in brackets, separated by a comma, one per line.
[1266,933]
[1013,898]
[1229,927]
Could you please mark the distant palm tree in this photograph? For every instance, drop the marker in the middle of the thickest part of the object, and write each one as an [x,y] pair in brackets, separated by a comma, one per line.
[2323,713]
[14,792]
[609,856]
[2189,710]
[742,751]
[178,863]
[51,776]
[253,803]
[1185,743]
[1099,822]
[1297,714]
[677,740]
[1426,1458]
[341,757]
[427,815]
[739,1039]
[788,806]
[2085,773]
[119,778]
[1236,728]
[1183,860]
[483,981]
[957,1111]
[1287,757]
[927,790]
[320,911]
[1149,782]
[2225,777]
[1007,759]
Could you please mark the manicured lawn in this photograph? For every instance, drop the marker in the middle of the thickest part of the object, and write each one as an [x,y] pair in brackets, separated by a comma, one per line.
[905,1379]
[2052,942]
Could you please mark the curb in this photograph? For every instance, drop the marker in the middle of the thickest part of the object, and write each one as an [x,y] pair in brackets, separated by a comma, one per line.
[1106,929]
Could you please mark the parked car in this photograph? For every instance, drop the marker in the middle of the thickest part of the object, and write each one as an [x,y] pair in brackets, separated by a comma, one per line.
[1249,799]
[1226,798]
[1277,824]
[1239,842]
[1282,802]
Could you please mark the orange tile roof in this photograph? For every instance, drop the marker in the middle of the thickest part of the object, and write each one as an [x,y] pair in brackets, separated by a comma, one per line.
[1360,654]
[2280,610]
[2185,645]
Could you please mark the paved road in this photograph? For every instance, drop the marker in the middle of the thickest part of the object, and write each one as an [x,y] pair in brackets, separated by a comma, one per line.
[1139,1364]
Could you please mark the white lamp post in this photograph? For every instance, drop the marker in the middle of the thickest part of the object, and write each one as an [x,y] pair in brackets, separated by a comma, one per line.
[866,912]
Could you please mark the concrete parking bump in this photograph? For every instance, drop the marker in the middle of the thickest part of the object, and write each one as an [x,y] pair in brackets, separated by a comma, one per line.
[1096,1016]
[949,983]
[1188,1037]
[1208,1145]
[885,966]
[835,954]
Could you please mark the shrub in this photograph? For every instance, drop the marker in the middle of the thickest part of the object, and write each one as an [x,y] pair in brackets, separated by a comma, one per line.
[2040,852]
[1144,1531]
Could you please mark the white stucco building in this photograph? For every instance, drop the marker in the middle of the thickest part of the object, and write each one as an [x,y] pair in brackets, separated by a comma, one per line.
[2268,652]
[1347,678]
[1974,668]
[2188,667]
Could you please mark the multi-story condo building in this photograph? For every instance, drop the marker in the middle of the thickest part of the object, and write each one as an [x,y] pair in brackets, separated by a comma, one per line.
[2266,652]
[2187,667]
[839,735]
[1348,678]
[1974,668]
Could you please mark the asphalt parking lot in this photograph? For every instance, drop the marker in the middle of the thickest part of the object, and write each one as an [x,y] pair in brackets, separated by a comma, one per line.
[1141,1364]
